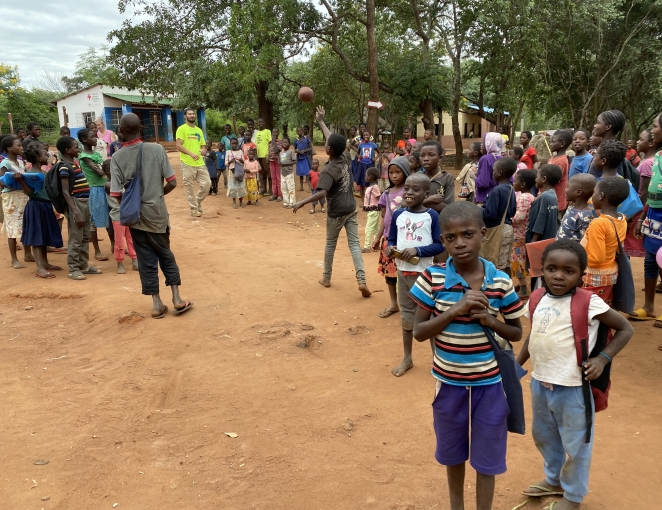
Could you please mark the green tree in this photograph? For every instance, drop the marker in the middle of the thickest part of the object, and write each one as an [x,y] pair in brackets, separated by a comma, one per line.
[92,67]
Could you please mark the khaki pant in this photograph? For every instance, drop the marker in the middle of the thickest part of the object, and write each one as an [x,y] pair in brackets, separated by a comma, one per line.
[191,175]
[78,245]
[288,189]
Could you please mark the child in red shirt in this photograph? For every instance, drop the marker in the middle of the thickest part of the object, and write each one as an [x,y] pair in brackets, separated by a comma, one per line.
[313,177]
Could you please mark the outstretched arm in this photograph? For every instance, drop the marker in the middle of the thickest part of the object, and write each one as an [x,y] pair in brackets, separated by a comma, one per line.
[320,120]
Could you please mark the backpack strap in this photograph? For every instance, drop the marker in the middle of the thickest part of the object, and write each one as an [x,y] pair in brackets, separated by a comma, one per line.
[579,305]
[534,299]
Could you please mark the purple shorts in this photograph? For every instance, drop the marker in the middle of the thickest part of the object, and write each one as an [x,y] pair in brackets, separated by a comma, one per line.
[486,447]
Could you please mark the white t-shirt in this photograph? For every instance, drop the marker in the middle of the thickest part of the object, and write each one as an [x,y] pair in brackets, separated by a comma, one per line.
[552,342]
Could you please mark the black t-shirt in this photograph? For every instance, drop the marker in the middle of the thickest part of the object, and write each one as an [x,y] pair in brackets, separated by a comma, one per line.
[336,180]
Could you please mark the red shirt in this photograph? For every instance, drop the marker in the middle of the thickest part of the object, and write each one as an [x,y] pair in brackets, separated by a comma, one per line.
[562,162]
[527,158]
[313,176]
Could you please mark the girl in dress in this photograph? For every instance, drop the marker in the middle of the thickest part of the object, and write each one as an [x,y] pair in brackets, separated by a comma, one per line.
[236,188]
[366,159]
[252,169]
[302,147]
[13,200]
[40,227]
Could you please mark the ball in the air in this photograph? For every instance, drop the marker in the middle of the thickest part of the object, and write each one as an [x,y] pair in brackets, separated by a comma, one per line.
[306,94]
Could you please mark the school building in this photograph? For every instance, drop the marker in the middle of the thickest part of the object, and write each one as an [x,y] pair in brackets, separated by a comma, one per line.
[110,103]
[472,126]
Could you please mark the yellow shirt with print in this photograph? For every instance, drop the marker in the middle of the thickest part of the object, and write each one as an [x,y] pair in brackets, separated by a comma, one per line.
[192,139]
[262,139]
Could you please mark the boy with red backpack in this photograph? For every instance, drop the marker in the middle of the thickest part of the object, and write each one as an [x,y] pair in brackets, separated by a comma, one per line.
[568,385]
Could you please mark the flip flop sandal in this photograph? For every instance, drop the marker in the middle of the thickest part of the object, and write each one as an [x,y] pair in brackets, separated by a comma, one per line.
[91,270]
[544,492]
[103,258]
[58,250]
[324,210]
[640,315]
[312,211]
[179,311]
[54,268]
[387,313]
[658,322]
[162,314]
[76,275]
[47,275]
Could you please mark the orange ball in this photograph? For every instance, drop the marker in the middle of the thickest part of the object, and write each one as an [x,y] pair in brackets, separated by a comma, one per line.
[306,94]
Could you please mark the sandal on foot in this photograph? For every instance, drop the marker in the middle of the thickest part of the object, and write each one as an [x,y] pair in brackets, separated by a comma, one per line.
[640,315]
[365,250]
[387,313]
[101,258]
[544,492]
[312,211]
[187,306]
[323,210]
[76,275]
[91,270]
[658,322]
[162,314]
[47,275]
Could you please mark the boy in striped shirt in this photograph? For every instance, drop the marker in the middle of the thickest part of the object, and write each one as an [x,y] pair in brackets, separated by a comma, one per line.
[455,301]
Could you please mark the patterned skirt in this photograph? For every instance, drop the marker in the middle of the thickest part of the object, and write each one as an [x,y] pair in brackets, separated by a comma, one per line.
[252,192]
[386,266]
[13,206]
[518,259]
[99,207]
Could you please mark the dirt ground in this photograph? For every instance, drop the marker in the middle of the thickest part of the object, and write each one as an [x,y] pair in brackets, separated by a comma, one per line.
[143,413]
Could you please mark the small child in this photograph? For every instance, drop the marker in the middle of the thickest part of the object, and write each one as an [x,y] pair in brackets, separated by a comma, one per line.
[313,177]
[582,159]
[220,168]
[414,162]
[524,181]
[120,232]
[76,195]
[579,215]
[543,223]
[467,176]
[517,153]
[211,162]
[90,162]
[288,160]
[501,201]
[302,147]
[414,239]
[632,154]
[560,424]
[251,169]
[604,234]
[247,144]
[456,302]
[371,206]
[368,154]
[116,145]
[428,134]
[236,187]
[561,142]
[40,227]
[389,202]
[385,157]
[275,148]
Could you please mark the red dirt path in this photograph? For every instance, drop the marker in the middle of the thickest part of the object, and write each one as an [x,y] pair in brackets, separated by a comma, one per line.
[133,411]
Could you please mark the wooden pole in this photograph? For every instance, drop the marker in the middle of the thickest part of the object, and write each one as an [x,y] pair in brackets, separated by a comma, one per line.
[156,128]
[11,124]
[234,124]
[65,116]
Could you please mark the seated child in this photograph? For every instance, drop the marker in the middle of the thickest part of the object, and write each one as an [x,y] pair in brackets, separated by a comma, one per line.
[579,214]
[371,206]
[456,301]
[603,236]
[501,202]
[414,234]
[524,181]
[560,424]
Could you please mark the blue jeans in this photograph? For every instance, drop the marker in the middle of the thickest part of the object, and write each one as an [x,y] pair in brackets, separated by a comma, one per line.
[559,431]
[651,269]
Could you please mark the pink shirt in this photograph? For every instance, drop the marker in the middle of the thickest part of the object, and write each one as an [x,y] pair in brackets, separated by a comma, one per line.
[371,198]
[645,170]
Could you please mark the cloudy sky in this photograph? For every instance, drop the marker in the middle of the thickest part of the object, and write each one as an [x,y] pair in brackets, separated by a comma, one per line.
[51,34]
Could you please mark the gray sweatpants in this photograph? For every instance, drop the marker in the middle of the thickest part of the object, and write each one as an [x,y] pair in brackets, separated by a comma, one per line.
[78,246]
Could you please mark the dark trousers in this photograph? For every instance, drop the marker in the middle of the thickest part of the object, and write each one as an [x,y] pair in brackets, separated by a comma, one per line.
[152,250]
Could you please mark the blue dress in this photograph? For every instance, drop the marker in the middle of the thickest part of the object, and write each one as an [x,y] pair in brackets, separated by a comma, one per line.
[303,166]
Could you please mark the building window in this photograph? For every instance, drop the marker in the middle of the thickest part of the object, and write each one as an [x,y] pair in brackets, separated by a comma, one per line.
[88,117]
[115,116]
[159,122]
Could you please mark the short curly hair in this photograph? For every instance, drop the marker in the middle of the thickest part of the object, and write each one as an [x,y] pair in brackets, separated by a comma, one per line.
[568,245]
[613,151]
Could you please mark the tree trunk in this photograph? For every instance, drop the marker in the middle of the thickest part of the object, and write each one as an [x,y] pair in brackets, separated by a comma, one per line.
[440,114]
[373,75]
[455,110]
[265,107]
[427,109]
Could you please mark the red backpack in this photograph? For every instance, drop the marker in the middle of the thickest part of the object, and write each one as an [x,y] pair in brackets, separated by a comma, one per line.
[579,316]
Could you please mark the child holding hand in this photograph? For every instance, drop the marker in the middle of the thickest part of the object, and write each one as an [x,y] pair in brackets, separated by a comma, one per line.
[371,206]
[457,302]
[414,240]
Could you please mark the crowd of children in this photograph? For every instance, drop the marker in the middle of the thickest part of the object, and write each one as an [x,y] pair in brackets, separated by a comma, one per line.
[448,264]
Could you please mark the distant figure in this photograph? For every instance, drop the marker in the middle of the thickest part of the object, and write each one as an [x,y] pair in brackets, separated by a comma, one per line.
[191,145]
[105,134]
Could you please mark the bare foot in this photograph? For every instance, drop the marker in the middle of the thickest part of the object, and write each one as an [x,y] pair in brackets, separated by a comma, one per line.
[28,258]
[158,313]
[134,264]
[120,268]
[17,265]
[400,370]
[364,290]
[325,283]
[366,250]
[234,206]
[542,489]
[564,504]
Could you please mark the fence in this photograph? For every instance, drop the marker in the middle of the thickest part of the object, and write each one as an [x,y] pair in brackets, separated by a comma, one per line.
[50,126]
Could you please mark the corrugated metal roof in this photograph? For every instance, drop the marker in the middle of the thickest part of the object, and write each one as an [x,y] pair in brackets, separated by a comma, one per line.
[139,99]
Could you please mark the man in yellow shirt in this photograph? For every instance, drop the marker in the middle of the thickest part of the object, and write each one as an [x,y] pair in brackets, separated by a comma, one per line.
[191,145]
[262,137]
